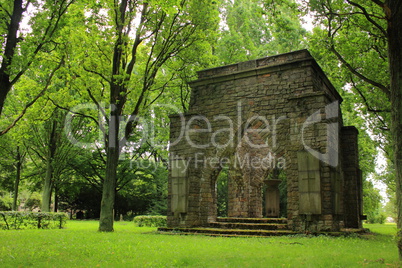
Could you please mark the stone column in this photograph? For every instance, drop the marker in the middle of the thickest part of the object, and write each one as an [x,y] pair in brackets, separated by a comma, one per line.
[238,202]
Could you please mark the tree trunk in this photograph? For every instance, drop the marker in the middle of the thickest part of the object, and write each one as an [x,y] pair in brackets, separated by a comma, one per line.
[56,200]
[17,179]
[4,89]
[47,188]
[112,162]
[9,51]
[393,9]
[109,191]
[48,184]
[117,101]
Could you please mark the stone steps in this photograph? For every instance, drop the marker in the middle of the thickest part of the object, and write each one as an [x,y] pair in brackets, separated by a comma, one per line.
[248,226]
[238,227]
[250,223]
[226,232]
[254,220]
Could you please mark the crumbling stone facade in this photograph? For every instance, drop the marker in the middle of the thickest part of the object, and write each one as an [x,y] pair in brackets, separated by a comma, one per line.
[262,117]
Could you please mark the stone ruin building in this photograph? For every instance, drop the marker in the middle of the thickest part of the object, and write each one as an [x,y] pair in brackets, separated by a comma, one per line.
[265,121]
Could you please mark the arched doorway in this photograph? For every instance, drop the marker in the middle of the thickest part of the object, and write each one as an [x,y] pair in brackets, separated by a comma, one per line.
[275,194]
[222,192]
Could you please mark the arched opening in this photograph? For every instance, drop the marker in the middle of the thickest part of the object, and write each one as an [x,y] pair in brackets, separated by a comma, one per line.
[222,192]
[273,198]
[275,194]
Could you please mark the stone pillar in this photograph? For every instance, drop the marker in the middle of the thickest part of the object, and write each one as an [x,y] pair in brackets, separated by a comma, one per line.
[237,195]
[179,188]
[255,198]
[353,184]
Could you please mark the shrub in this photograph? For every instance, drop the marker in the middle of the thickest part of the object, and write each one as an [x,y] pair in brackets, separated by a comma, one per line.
[34,201]
[150,221]
[31,220]
[5,202]
[376,217]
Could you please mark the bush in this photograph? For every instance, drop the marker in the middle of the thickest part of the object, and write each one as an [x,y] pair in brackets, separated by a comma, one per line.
[150,221]
[5,202]
[34,201]
[14,220]
[376,217]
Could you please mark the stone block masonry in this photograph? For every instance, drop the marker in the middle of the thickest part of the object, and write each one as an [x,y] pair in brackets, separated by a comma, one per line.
[253,119]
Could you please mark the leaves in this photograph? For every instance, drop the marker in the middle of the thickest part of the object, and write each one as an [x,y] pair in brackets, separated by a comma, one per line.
[345,38]
[256,29]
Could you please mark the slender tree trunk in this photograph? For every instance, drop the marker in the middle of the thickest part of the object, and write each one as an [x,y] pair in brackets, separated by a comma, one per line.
[56,200]
[393,9]
[47,188]
[17,179]
[48,184]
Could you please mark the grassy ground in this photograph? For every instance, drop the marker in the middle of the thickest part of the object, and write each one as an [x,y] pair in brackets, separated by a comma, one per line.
[80,245]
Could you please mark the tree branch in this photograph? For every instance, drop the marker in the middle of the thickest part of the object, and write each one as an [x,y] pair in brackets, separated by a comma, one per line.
[99,106]
[101,156]
[367,15]
[379,3]
[383,88]
[50,30]
[369,108]
[137,41]
[97,73]
[29,104]
[26,5]
[350,14]
[5,10]
[76,113]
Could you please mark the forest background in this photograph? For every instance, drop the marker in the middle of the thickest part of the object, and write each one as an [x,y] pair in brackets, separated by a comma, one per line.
[86,88]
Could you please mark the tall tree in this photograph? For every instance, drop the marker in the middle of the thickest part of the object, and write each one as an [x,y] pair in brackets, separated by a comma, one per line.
[12,158]
[393,11]
[364,36]
[19,158]
[122,62]
[51,147]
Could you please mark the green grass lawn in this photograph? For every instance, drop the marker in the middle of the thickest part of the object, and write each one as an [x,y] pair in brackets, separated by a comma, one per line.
[80,245]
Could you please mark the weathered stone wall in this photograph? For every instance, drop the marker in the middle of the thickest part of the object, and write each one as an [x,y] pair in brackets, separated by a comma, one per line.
[253,117]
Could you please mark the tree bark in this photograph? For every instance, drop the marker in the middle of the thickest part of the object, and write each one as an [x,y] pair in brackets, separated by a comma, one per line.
[48,183]
[17,179]
[47,188]
[5,87]
[56,200]
[109,191]
[112,162]
[112,150]
[9,50]
[393,10]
